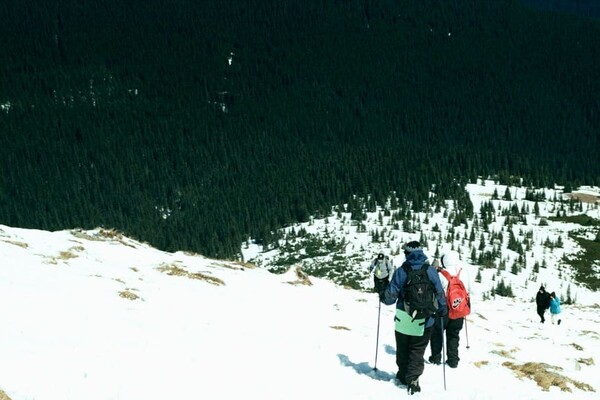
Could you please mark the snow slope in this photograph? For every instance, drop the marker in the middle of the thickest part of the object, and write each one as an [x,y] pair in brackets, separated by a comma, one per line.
[93,315]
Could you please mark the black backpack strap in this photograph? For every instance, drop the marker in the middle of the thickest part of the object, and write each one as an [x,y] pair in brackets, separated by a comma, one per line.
[406,267]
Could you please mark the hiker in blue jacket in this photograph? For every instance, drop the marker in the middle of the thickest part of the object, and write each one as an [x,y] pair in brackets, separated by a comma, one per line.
[554,307]
[412,335]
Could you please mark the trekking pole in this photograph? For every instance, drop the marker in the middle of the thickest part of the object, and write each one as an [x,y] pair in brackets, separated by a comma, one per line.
[377,344]
[467,332]
[443,351]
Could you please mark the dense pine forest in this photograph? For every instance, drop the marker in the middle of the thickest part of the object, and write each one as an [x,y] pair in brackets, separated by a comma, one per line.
[195,124]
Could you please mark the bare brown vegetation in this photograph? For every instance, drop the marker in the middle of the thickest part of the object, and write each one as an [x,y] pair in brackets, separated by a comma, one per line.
[4,396]
[584,197]
[546,375]
[175,270]
[578,347]
[592,334]
[245,264]
[303,278]
[505,353]
[102,235]
[207,278]
[586,361]
[78,233]
[128,294]
[226,265]
[16,243]
[340,328]
[66,255]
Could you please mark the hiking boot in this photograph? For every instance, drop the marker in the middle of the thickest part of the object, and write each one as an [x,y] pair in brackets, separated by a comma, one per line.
[559,322]
[437,360]
[414,387]
[401,378]
[452,363]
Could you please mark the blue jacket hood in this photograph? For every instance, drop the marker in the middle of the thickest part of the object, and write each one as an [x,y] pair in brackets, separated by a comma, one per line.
[416,258]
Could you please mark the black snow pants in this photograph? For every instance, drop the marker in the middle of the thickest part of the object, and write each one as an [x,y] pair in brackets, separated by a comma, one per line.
[409,355]
[380,284]
[452,328]
[541,311]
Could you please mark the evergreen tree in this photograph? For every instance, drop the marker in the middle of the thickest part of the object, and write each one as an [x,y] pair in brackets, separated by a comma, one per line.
[198,130]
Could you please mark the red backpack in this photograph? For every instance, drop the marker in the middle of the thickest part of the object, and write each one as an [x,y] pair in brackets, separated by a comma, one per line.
[459,303]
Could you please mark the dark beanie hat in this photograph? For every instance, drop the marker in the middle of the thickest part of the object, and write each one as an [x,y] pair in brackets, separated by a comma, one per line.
[380,256]
[412,246]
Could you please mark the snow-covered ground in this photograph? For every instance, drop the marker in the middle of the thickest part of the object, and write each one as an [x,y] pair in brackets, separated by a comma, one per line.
[93,315]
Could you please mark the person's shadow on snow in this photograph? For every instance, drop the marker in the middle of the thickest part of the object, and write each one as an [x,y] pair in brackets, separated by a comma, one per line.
[390,349]
[364,368]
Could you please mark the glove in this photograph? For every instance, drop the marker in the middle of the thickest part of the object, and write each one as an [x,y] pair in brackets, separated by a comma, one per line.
[382,295]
